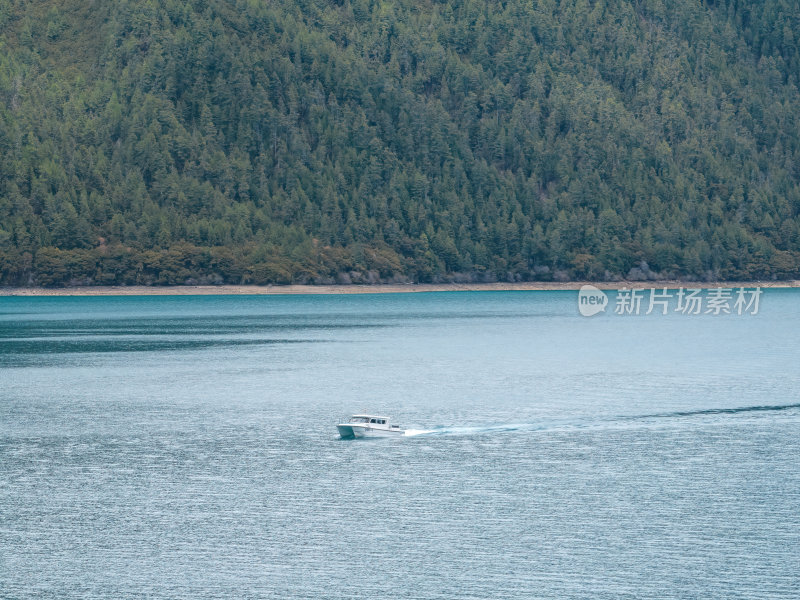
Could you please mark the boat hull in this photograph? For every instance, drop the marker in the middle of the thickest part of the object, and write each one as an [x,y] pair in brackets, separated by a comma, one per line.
[351,431]
[347,432]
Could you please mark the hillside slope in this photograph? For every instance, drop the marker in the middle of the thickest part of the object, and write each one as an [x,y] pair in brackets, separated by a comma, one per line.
[312,141]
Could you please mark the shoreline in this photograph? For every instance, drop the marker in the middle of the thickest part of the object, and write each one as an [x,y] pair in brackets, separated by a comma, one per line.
[388,288]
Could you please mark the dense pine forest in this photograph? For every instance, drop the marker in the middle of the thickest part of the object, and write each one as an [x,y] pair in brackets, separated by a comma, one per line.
[277,141]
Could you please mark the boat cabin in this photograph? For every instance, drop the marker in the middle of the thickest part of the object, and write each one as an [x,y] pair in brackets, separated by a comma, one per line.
[369,419]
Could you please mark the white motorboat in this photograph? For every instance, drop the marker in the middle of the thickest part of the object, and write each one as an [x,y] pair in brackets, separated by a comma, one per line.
[368,426]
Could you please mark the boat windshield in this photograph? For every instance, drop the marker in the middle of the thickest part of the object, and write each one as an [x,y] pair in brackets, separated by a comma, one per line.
[359,420]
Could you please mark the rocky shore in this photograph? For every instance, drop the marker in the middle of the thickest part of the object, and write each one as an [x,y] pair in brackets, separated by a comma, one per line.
[196,290]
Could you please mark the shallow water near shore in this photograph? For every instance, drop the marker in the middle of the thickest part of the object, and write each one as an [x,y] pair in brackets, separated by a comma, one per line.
[186,447]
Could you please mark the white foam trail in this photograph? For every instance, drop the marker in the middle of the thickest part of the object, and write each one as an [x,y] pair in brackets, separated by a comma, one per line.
[412,432]
[470,430]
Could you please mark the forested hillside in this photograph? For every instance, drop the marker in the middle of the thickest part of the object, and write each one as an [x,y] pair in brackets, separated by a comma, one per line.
[258,141]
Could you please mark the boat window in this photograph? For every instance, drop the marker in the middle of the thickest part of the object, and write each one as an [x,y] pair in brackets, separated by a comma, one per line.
[359,420]
[382,421]
[373,420]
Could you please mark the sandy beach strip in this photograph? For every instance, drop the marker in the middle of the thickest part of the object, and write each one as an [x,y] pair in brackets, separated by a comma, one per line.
[200,290]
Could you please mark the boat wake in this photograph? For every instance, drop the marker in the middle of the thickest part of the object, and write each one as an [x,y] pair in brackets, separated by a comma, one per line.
[602,423]
[724,411]
[442,430]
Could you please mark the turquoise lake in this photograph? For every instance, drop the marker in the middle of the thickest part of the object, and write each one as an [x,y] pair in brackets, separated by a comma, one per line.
[185,447]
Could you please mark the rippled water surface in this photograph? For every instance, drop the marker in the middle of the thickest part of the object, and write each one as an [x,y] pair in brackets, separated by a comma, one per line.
[184,447]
